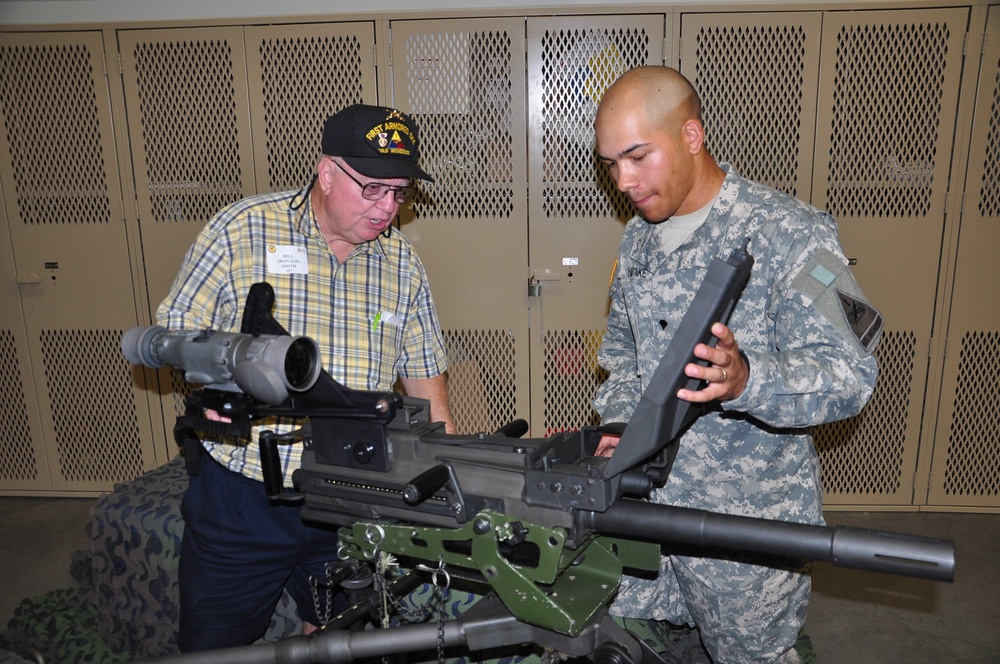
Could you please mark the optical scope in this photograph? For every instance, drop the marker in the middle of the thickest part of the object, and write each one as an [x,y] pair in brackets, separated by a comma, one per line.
[264,366]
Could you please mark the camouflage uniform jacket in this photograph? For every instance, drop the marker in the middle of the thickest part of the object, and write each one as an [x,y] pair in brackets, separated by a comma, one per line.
[802,322]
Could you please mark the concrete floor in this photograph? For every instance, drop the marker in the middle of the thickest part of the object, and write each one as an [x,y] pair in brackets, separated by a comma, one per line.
[854,617]
[883,619]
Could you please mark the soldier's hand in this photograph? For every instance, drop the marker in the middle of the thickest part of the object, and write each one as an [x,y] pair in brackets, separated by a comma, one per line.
[727,374]
[607,445]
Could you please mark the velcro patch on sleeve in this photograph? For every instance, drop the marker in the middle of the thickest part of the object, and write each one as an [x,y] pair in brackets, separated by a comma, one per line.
[864,320]
[817,275]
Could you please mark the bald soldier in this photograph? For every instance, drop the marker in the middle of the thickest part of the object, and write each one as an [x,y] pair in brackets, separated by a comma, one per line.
[798,352]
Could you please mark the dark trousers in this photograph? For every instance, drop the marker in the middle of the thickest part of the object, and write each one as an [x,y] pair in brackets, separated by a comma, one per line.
[237,554]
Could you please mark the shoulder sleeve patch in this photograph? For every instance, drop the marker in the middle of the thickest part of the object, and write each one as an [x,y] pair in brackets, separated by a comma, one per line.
[821,271]
[826,285]
[864,320]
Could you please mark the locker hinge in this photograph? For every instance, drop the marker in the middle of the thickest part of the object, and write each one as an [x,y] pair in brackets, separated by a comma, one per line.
[965,45]
[664,48]
[961,208]
[121,70]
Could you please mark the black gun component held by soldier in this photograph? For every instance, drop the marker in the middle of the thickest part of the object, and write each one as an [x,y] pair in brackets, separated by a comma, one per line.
[544,526]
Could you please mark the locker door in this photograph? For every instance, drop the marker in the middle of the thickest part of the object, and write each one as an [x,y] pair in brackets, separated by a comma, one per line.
[186,103]
[966,461]
[297,76]
[63,206]
[889,84]
[463,82]
[757,76]
[23,461]
[576,215]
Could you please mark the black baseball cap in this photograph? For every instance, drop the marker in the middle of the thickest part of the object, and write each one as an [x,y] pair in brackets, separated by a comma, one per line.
[376,141]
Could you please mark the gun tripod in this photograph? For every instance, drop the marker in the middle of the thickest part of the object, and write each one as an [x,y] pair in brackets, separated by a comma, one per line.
[487,625]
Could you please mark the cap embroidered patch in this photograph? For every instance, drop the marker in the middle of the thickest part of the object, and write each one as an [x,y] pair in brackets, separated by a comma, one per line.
[376,141]
[393,136]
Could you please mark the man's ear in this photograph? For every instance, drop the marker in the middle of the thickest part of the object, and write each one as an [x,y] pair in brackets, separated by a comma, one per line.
[694,134]
[324,174]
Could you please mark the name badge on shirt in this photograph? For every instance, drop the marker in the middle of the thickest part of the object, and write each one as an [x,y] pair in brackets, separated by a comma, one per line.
[285,259]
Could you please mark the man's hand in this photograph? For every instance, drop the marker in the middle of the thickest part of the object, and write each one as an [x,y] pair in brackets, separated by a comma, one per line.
[211,414]
[607,445]
[727,373]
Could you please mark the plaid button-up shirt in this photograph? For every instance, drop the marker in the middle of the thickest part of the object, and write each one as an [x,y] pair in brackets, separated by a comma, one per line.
[373,316]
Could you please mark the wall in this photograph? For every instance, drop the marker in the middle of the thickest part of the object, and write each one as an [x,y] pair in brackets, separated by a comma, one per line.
[21,12]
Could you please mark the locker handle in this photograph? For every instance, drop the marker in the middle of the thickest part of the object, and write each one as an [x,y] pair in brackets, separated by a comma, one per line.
[29,278]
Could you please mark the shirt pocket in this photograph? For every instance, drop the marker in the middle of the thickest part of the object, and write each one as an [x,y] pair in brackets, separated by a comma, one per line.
[367,348]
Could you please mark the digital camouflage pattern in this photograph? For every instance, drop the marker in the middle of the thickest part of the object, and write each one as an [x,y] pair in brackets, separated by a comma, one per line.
[808,334]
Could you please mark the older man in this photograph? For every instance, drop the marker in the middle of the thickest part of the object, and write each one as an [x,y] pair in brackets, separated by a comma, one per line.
[343,276]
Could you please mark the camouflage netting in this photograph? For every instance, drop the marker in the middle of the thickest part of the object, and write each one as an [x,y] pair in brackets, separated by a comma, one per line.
[62,627]
[127,603]
[135,540]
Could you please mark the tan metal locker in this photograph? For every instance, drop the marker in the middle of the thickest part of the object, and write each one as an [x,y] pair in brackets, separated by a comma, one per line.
[188,119]
[63,206]
[297,76]
[767,99]
[889,84]
[463,81]
[576,215]
[23,460]
[966,461]
[757,75]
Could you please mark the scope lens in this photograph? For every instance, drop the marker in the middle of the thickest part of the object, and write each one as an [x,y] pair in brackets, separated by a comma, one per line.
[300,361]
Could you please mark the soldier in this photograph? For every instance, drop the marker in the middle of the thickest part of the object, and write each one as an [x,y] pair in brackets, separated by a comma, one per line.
[797,352]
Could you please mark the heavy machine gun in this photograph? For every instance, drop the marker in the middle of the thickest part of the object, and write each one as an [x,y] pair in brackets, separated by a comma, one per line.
[542,523]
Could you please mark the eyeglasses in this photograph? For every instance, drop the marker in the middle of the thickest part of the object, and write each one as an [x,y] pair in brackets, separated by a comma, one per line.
[376,191]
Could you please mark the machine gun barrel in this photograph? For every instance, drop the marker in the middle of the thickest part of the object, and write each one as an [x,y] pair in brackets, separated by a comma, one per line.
[856,548]
[486,625]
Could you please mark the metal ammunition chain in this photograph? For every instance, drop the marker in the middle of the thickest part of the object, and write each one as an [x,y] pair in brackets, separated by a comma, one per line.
[442,584]
[324,606]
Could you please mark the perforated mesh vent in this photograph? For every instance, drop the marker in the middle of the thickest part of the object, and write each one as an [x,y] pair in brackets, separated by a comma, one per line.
[180,389]
[459,88]
[750,81]
[887,95]
[572,376]
[973,461]
[87,382]
[989,203]
[864,454]
[50,108]
[304,81]
[577,67]
[17,457]
[481,367]
[191,149]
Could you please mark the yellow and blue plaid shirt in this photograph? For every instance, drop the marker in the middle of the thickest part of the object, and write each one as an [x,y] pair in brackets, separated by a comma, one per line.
[373,317]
